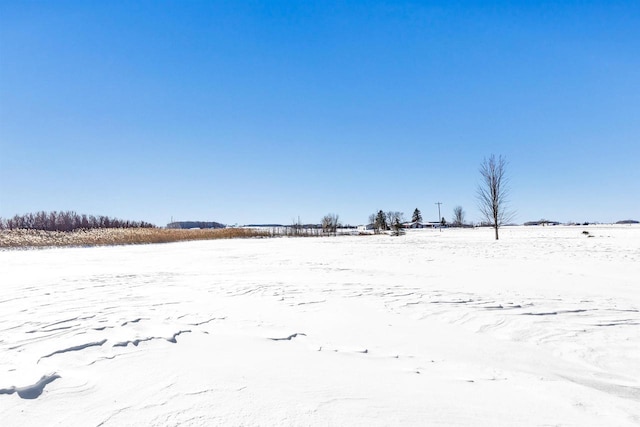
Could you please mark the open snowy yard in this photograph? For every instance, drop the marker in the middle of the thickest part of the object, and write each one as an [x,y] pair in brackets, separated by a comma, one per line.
[431,328]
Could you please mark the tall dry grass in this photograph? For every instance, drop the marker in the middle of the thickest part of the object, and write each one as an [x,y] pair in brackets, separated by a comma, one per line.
[117,236]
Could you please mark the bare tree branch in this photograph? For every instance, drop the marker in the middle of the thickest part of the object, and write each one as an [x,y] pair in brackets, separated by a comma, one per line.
[458,216]
[493,192]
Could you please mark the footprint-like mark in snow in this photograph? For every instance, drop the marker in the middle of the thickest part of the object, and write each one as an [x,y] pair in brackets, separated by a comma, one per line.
[31,391]
[289,338]
[132,321]
[502,307]
[207,321]
[452,302]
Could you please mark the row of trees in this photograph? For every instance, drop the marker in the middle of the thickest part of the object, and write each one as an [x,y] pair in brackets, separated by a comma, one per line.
[492,194]
[386,220]
[66,221]
[390,220]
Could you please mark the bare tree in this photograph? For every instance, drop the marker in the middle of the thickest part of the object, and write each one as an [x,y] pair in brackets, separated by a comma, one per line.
[296,227]
[372,221]
[393,217]
[390,215]
[493,192]
[458,216]
[330,223]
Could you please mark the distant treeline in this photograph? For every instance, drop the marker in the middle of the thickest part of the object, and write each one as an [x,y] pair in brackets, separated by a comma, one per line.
[195,224]
[66,221]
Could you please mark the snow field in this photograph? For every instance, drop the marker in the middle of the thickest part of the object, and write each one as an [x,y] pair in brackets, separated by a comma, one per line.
[431,328]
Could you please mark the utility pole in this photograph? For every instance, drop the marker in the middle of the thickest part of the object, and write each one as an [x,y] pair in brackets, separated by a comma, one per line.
[439,217]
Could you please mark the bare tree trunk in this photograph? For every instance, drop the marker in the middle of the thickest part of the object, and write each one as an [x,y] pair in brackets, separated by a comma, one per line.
[493,192]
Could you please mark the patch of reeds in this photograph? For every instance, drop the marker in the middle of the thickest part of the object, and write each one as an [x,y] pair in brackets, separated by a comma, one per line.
[118,236]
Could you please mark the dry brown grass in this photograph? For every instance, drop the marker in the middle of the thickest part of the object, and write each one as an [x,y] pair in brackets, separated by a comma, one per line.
[117,236]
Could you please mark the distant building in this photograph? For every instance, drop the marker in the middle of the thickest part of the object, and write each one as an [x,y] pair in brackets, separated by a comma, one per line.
[418,224]
[542,222]
[368,227]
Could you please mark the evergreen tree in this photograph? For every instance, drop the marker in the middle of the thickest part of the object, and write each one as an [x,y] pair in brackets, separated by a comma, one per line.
[397,227]
[381,221]
[417,216]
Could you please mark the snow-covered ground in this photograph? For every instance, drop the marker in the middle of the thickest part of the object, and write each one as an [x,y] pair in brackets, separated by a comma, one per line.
[431,328]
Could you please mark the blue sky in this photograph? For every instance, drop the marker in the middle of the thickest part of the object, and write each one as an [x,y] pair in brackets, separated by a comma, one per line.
[265,111]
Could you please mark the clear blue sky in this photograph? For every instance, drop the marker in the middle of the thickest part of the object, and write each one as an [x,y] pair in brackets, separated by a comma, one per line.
[263,111]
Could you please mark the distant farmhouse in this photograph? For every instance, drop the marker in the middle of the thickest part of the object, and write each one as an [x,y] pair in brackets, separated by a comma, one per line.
[368,227]
[371,227]
[418,224]
[542,222]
